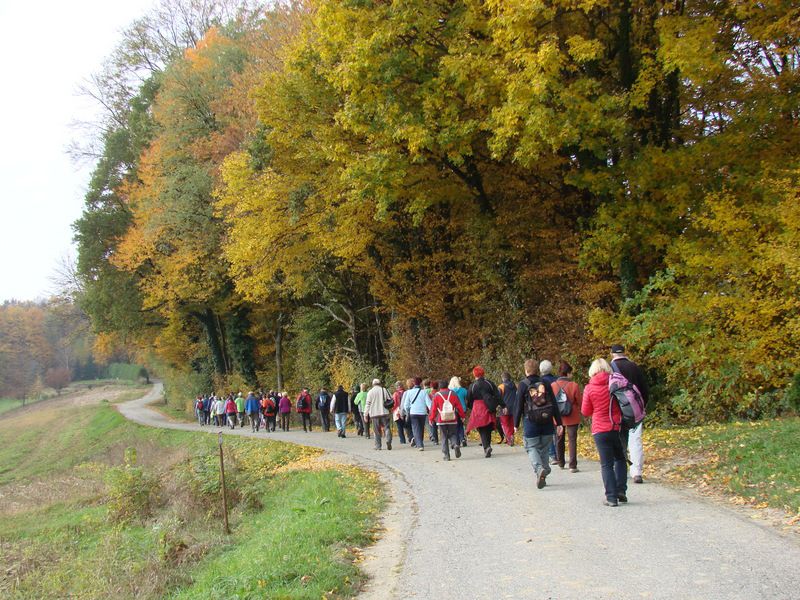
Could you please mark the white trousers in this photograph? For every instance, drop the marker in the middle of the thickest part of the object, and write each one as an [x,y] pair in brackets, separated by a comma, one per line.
[636,450]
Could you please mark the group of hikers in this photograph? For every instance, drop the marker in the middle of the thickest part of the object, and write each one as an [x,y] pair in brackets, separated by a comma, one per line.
[547,405]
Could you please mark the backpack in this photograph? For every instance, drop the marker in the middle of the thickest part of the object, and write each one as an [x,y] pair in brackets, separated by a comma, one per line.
[323,400]
[489,395]
[628,398]
[538,408]
[301,402]
[388,401]
[447,413]
[564,405]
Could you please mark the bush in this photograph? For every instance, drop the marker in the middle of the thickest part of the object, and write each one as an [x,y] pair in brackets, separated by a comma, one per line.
[132,492]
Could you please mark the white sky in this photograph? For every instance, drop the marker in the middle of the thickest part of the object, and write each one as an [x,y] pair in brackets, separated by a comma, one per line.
[46,50]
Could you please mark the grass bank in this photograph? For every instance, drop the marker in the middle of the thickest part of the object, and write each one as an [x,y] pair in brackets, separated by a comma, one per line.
[97,507]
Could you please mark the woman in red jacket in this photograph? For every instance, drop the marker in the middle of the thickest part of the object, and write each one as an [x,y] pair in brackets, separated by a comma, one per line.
[446,410]
[606,418]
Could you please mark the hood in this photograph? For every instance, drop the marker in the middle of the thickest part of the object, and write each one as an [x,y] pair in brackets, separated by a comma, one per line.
[600,379]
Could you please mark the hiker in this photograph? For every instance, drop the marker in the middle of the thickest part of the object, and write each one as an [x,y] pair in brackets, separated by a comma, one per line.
[536,410]
[358,401]
[606,418]
[572,393]
[198,410]
[220,412]
[240,402]
[324,407]
[416,404]
[252,408]
[632,439]
[433,430]
[304,408]
[455,387]
[446,410]
[482,400]
[397,411]
[508,390]
[546,375]
[230,411]
[379,413]
[340,407]
[285,410]
[207,400]
[269,407]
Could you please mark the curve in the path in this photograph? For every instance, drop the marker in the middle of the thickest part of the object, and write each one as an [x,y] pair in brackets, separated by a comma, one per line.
[479,528]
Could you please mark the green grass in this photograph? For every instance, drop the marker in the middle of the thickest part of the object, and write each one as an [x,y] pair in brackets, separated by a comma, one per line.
[758,462]
[72,542]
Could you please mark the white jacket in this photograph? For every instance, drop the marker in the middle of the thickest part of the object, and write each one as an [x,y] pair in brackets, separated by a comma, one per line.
[374,405]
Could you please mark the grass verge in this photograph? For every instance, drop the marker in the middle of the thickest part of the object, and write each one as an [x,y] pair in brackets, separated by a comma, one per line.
[86,516]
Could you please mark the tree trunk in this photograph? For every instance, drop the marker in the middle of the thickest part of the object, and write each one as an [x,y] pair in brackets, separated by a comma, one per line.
[279,351]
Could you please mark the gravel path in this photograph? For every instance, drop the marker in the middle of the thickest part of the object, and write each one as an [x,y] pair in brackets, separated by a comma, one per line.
[503,538]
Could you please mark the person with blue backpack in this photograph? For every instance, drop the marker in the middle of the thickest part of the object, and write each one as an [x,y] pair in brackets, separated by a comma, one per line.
[632,437]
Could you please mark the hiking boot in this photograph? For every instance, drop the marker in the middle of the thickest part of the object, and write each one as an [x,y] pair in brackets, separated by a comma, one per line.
[610,503]
[445,457]
[622,497]
[464,443]
[553,460]
[388,445]
[421,448]
[638,479]
[540,482]
[487,452]
[574,470]
[458,452]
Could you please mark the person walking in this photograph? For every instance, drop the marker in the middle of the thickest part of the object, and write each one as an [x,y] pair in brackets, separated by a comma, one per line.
[483,398]
[240,402]
[230,411]
[304,408]
[508,391]
[433,431]
[253,409]
[269,405]
[220,412]
[198,410]
[546,374]
[416,404]
[572,421]
[455,387]
[397,411]
[285,410]
[207,401]
[340,408]
[536,410]
[378,408]
[324,407]
[446,410]
[606,418]
[632,439]
[357,398]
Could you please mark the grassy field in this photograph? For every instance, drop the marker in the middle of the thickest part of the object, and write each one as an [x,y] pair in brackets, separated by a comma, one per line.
[97,507]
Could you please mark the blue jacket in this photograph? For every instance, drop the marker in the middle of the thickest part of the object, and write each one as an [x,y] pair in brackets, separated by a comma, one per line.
[252,405]
[416,401]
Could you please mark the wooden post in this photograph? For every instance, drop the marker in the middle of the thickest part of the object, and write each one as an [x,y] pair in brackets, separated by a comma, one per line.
[224,491]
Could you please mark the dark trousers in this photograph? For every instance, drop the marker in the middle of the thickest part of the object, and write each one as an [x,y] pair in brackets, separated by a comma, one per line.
[486,436]
[255,420]
[613,466]
[407,428]
[462,434]
[285,421]
[449,435]
[358,420]
[306,417]
[325,419]
[271,422]
[418,429]
[433,433]
[401,430]
[571,434]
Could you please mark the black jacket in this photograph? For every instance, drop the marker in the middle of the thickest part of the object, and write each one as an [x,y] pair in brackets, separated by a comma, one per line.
[484,389]
[634,374]
[341,403]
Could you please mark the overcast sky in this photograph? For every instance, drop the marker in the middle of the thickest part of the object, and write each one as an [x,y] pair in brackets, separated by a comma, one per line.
[46,50]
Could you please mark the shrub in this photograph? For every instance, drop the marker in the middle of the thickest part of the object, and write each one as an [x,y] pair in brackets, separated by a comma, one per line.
[132,492]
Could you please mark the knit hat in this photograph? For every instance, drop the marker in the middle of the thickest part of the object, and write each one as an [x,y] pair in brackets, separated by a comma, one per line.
[478,372]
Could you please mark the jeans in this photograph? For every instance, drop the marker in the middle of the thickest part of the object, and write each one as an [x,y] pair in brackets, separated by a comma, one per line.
[382,426]
[325,419]
[449,435]
[461,433]
[401,430]
[418,427]
[341,421]
[571,434]
[538,449]
[240,416]
[613,466]
[433,433]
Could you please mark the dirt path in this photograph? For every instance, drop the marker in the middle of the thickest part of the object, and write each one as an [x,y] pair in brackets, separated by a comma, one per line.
[479,528]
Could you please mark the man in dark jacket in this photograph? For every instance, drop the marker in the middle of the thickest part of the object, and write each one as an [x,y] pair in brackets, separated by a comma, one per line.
[324,407]
[340,407]
[632,438]
[537,435]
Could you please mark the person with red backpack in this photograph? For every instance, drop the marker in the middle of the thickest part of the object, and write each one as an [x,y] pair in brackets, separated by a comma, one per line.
[269,406]
[304,403]
[446,410]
